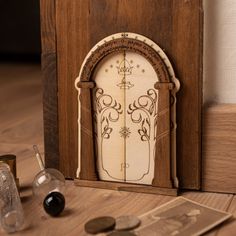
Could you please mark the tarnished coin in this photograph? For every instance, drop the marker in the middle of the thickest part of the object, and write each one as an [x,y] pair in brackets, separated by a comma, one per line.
[121,233]
[100,224]
[127,222]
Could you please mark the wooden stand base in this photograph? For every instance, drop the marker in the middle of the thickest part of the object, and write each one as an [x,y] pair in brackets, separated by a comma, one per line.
[126,187]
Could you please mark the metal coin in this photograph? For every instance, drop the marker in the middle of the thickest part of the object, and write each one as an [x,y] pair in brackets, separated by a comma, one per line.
[100,224]
[121,233]
[127,222]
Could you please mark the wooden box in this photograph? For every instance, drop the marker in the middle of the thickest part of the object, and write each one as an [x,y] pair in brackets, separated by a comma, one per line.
[70,28]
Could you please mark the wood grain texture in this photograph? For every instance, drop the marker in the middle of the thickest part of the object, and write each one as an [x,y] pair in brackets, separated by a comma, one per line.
[219,150]
[163,145]
[81,24]
[125,43]
[83,204]
[229,227]
[186,55]
[162,169]
[88,160]
[49,70]
[86,84]
[21,126]
[48,29]
[21,119]
[50,110]
[218,201]
[70,54]
[127,187]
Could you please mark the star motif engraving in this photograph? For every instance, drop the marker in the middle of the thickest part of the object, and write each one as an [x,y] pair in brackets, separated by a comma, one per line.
[125,132]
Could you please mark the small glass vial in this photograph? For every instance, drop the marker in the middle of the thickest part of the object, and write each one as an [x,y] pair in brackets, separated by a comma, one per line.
[48,180]
[11,214]
[49,187]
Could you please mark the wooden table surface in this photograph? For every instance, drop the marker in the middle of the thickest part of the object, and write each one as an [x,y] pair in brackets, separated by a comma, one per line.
[21,127]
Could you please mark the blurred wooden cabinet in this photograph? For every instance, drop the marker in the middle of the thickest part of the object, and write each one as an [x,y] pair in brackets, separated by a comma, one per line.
[70,28]
[19,27]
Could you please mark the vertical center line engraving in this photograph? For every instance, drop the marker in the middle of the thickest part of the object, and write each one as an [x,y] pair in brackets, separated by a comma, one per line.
[124,78]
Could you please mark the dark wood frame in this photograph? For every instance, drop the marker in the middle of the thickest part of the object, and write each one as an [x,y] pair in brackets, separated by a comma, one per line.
[181,37]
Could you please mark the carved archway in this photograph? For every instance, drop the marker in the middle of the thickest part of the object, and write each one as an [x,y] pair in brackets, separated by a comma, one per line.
[167,85]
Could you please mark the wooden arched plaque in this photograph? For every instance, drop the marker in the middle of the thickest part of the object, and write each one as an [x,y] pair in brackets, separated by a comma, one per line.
[126,119]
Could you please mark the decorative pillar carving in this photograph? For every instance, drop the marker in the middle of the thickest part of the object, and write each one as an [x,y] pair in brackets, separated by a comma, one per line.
[162,171]
[88,163]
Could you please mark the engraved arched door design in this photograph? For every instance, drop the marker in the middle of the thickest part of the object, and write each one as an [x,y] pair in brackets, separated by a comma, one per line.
[125,108]
[124,88]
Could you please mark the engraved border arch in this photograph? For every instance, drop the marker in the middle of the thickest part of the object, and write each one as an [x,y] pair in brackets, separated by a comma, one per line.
[168,85]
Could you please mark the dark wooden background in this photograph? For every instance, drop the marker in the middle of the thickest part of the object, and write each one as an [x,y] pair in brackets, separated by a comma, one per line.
[19,29]
[71,27]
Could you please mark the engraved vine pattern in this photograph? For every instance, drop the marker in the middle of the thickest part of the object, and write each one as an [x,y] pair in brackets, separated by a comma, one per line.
[109,111]
[106,110]
[144,111]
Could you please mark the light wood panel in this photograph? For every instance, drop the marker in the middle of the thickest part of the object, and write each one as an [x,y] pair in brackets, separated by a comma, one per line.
[219,149]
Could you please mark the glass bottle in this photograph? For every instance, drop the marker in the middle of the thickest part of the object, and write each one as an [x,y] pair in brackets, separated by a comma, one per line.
[49,187]
[11,215]
[48,179]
